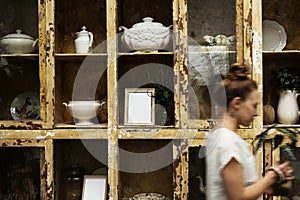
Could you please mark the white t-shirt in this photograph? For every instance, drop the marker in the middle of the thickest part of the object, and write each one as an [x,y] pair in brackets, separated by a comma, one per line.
[221,146]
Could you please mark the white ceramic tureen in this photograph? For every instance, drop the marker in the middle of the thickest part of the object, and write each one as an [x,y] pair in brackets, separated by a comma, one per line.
[84,111]
[18,43]
[146,36]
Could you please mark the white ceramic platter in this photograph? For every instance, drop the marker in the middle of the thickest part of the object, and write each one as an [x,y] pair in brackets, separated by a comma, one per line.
[149,196]
[274,36]
[25,106]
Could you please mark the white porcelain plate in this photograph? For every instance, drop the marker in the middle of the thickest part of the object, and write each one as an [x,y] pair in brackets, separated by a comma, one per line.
[25,106]
[274,36]
[149,196]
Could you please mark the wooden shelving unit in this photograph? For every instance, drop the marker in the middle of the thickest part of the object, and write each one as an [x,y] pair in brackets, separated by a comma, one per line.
[55,70]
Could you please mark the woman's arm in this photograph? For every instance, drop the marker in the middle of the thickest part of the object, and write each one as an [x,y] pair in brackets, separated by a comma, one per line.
[233,180]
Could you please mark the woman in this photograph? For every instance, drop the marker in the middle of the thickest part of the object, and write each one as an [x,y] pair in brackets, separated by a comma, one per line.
[231,167]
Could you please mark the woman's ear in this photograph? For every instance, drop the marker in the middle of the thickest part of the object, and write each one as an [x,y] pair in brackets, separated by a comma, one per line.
[236,102]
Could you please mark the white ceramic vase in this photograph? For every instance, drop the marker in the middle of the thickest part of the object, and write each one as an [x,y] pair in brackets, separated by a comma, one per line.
[287,109]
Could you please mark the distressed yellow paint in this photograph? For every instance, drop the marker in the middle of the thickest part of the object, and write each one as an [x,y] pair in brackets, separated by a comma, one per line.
[185,170]
[46,174]
[177,170]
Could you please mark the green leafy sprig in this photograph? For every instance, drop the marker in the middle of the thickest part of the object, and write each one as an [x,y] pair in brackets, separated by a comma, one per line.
[287,79]
[287,149]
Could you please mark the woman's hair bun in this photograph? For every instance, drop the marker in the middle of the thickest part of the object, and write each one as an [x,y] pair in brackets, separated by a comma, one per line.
[238,72]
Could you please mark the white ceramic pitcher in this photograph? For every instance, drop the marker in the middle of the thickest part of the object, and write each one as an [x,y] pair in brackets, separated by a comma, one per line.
[287,109]
[84,41]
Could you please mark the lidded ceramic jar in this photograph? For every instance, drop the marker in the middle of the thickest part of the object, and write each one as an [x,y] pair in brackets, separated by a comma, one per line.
[18,43]
[146,36]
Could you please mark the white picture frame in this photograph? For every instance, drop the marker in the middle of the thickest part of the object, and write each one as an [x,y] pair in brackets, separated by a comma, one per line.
[139,106]
[94,187]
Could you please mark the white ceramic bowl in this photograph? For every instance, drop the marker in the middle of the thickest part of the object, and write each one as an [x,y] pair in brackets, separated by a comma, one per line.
[84,111]
[146,36]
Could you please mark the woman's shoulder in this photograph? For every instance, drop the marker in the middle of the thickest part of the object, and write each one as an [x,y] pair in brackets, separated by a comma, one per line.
[225,132]
[225,137]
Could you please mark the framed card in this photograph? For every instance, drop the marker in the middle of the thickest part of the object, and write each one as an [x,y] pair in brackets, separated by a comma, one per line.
[139,106]
[94,187]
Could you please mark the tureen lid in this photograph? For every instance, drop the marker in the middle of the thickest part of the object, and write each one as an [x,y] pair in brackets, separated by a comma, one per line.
[148,22]
[18,35]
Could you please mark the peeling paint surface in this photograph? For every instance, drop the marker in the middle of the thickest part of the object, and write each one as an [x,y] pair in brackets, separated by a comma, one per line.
[48,134]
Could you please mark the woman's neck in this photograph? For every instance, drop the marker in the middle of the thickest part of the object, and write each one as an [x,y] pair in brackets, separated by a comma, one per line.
[228,122]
